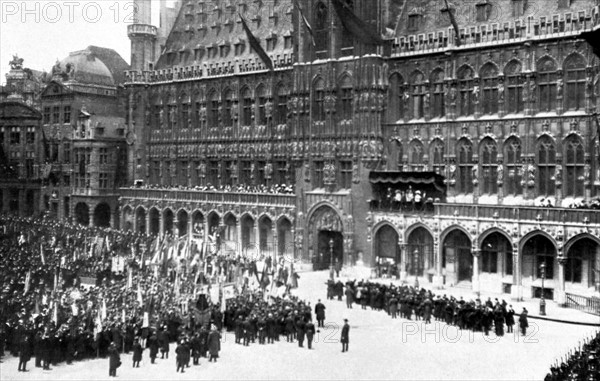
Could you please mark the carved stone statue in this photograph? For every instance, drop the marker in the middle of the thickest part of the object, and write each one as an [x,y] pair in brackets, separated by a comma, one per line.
[476,94]
[268,171]
[16,63]
[475,174]
[500,174]
[559,88]
[501,91]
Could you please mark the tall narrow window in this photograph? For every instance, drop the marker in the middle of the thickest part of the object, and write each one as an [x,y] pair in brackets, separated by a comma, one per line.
[512,157]
[489,81]
[346,174]
[213,111]
[246,107]
[395,110]
[227,108]
[547,85]
[262,100]
[347,46]
[56,114]
[438,108]
[546,166]
[575,82]
[514,87]
[67,115]
[574,167]
[281,103]
[318,174]
[489,166]
[464,152]
[185,111]
[465,88]
[346,100]
[416,155]
[419,90]
[437,155]
[321,28]
[46,115]
[318,109]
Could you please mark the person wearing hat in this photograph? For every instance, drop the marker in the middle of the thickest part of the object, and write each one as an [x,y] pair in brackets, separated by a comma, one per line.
[114,360]
[214,343]
[24,353]
[523,323]
[137,352]
[310,330]
[345,339]
[180,356]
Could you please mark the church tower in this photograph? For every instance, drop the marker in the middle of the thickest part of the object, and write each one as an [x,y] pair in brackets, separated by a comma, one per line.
[143,37]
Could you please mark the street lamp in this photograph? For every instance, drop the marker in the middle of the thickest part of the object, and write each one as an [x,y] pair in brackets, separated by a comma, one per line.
[331,258]
[542,300]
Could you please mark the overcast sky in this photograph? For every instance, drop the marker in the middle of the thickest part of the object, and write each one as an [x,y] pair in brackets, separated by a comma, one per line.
[42,31]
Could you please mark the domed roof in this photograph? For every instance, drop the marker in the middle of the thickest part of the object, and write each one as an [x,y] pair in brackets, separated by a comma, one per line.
[84,67]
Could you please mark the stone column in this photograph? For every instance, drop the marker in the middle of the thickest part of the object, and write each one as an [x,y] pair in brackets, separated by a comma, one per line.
[134,218]
[238,230]
[161,228]
[516,292]
[438,278]
[475,280]
[402,266]
[274,243]
[257,238]
[560,290]
[147,222]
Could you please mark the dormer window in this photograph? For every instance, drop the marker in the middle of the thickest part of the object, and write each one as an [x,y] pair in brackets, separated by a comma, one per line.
[484,10]
[414,22]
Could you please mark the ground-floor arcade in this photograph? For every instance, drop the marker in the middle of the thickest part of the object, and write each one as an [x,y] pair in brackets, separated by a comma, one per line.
[94,211]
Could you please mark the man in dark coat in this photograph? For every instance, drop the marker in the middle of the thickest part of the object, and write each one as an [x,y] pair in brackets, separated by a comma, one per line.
[310,333]
[214,344]
[163,342]
[153,345]
[24,353]
[137,353]
[114,360]
[349,296]
[345,338]
[523,323]
[510,319]
[196,348]
[271,328]
[180,356]
[320,313]
[300,326]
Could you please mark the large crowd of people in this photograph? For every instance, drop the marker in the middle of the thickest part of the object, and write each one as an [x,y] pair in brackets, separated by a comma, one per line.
[410,302]
[237,188]
[581,364]
[64,296]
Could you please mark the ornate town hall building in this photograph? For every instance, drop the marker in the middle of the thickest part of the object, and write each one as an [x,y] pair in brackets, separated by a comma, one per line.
[456,157]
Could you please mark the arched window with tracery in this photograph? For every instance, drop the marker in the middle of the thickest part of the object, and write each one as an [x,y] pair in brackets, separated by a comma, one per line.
[547,79]
[464,152]
[171,112]
[318,107]
[246,107]
[489,82]
[514,87]
[512,158]
[213,109]
[347,47]
[227,108]
[197,109]
[418,95]
[437,156]
[465,78]
[546,161]
[185,110]
[261,95]
[346,98]
[438,109]
[281,99]
[574,166]
[488,152]
[575,77]
[395,108]
[416,155]
[321,30]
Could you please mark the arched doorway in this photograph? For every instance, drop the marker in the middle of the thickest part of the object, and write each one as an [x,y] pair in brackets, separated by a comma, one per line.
[582,267]
[182,223]
[154,221]
[265,231]
[457,258]
[496,255]
[419,252]
[229,237]
[285,239]
[539,250]
[127,219]
[214,242]
[198,224]
[140,220]
[386,242]
[102,215]
[82,214]
[168,218]
[29,203]
[248,234]
[328,247]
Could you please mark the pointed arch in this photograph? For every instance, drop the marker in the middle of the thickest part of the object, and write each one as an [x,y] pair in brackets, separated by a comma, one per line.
[574,68]
[464,153]
[318,99]
[416,155]
[512,165]
[418,94]
[437,151]
[345,91]
[438,107]
[280,103]
[488,158]
[547,84]
[321,29]
[546,163]
[489,88]
[466,83]
[228,104]
[574,163]
[514,86]
[395,110]
[261,100]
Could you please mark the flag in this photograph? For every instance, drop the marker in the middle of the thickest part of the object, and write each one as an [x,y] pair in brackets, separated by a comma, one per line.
[140,299]
[306,24]
[359,29]
[107,244]
[123,316]
[103,309]
[597,119]
[74,309]
[55,314]
[129,278]
[56,279]
[42,255]
[452,21]
[27,282]
[223,301]
[255,44]
[98,327]
[146,320]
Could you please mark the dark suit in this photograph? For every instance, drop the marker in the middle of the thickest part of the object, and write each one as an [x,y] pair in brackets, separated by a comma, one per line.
[345,339]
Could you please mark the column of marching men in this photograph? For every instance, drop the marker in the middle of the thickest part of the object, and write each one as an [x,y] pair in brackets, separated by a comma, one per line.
[47,314]
[410,302]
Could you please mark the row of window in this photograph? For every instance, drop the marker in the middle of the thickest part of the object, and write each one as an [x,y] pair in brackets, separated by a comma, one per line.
[53,115]
[545,89]
[15,134]
[507,169]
